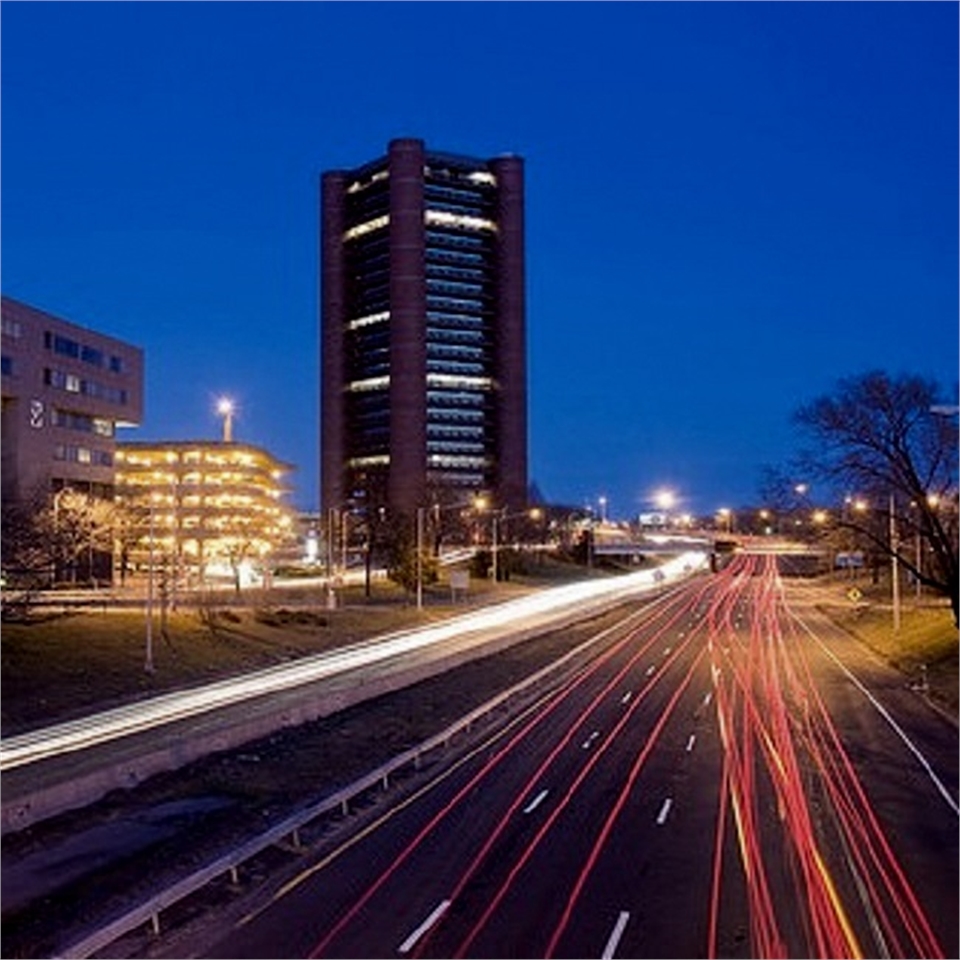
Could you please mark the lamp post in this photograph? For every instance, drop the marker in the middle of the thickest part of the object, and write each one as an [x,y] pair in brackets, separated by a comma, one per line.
[419,558]
[478,503]
[894,568]
[148,662]
[501,517]
[225,409]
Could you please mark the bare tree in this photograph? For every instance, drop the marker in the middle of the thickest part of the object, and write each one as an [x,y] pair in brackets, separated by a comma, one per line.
[894,443]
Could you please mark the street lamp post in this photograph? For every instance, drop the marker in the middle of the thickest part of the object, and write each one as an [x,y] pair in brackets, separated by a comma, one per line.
[225,409]
[419,558]
[148,665]
[894,568]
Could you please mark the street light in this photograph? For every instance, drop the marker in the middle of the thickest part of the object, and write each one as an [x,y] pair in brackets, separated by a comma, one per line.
[603,509]
[225,409]
[534,513]
[894,568]
[148,665]
[478,503]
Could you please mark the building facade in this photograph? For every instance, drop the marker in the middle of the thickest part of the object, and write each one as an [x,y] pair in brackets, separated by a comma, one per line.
[423,340]
[66,390]
[200,509]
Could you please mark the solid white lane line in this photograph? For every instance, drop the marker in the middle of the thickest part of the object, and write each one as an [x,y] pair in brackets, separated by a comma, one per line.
[536,801]
[664,812]
[882,710]
[438,911]
[614,941]
[691,742]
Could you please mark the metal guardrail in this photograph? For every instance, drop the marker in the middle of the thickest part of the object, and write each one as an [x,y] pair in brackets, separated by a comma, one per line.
[150,910]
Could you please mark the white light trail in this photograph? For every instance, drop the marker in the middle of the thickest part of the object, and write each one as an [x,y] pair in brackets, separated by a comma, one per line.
[532,610]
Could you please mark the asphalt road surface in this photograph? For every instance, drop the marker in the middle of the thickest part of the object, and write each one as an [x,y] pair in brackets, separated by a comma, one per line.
[731,778]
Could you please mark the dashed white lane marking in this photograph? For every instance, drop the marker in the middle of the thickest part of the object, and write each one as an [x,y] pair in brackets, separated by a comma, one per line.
[438,912]
[626,697]
[664,812]
[536,801]
[609,951]
[691,742]
[666,651]
[708,698]
[588,742]
[651,668]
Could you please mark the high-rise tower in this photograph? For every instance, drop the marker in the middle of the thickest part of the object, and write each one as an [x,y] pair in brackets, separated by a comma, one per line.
[423,363]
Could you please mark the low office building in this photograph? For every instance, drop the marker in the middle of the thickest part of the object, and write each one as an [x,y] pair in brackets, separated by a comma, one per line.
[200,510]
[66,391]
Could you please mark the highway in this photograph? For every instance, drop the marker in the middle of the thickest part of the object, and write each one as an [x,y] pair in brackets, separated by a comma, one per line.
[728,777]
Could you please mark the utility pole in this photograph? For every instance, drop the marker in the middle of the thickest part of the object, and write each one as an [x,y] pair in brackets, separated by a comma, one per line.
[148,664]
[894,568]
[419,558]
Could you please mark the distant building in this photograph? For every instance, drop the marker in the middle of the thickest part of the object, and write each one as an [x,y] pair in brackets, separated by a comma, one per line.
[66,390]
[202,509]
[423,332]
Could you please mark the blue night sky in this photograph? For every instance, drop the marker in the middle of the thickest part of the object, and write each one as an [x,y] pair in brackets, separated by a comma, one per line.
[729,207]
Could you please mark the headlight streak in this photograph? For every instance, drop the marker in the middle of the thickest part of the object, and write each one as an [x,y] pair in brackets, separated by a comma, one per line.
[110,724]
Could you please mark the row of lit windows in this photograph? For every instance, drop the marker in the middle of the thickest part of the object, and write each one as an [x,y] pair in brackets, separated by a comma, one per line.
[451,381]
[454,446]
[454,415]
[71,383]
[378,460]
[82,422]
[198,480]
[441,218]
[359,185]
[444,218]
[150,458]
[457,462]
[456,432]
[368,320]
[473,176]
